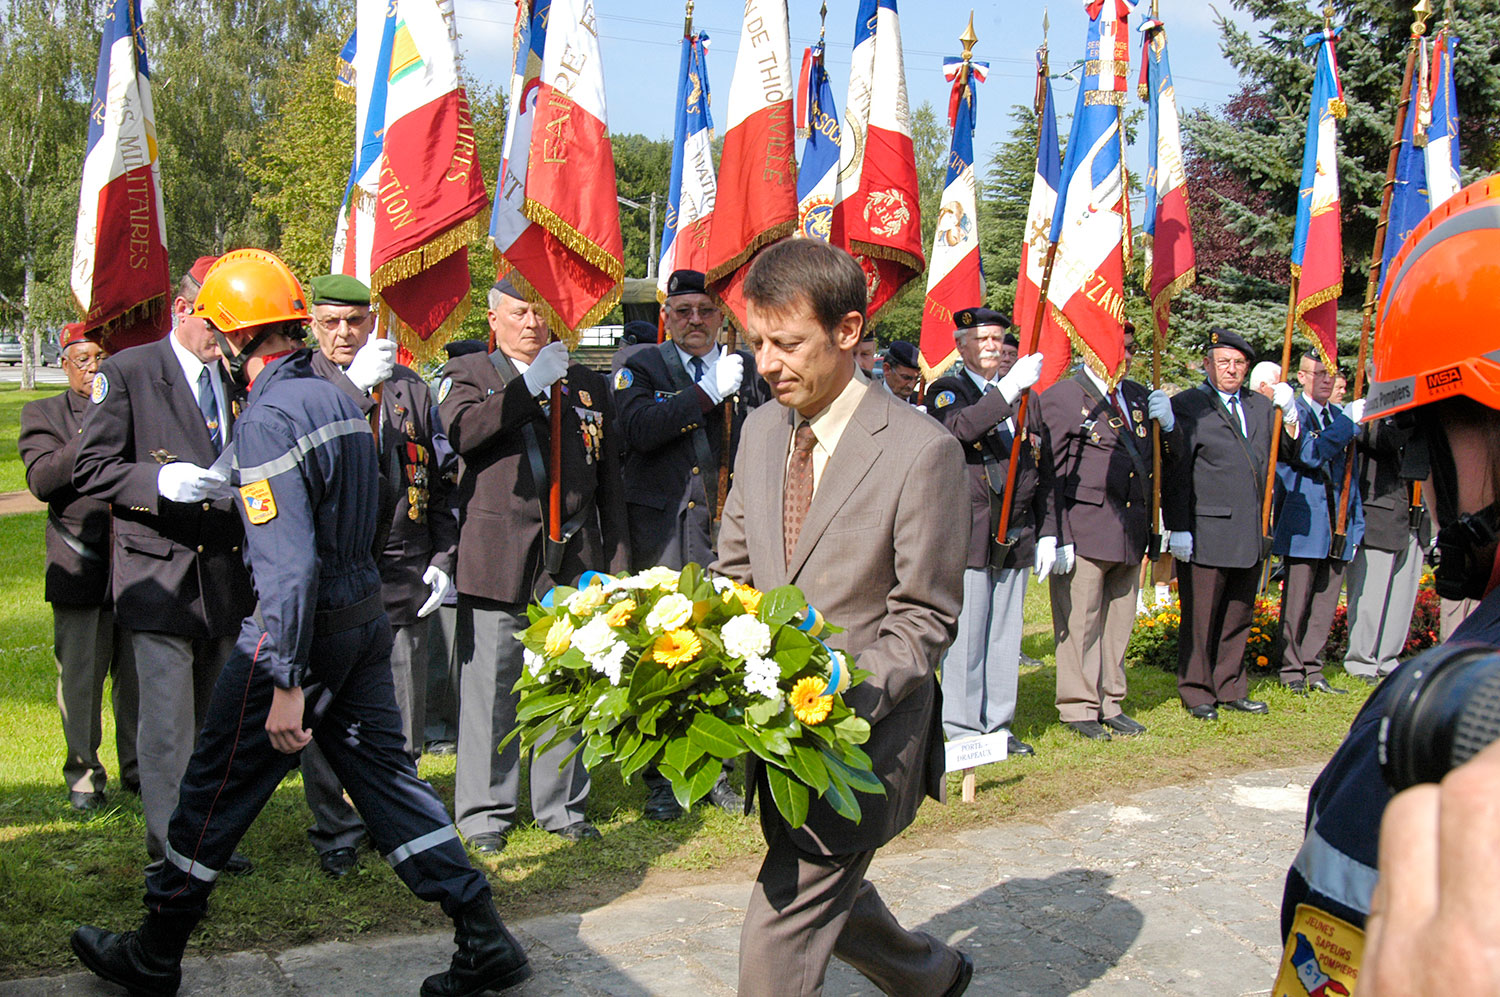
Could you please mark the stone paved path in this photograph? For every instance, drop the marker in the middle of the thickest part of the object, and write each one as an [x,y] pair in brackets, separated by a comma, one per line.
[1175,893]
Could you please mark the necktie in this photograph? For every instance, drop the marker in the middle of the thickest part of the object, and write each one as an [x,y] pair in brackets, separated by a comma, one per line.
[1327,416]
[1236,414]
[697,369]
[209,406]
[799,487]
[1116,403]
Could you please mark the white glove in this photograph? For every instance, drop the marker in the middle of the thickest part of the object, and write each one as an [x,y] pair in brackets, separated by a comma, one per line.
[1281,397]
[1180,544]
[180,481]
[373,364]
[1064,560]
[1159,407]
[1356,411]
[441,586]
[1023,374]
[724,377]
[1046,556]
[547,369]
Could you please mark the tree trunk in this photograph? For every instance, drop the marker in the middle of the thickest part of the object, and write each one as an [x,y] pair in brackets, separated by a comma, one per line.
[28,329]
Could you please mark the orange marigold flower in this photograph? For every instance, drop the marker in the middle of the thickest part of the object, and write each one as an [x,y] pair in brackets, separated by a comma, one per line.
[1261,661]
[749,597]
[676,647]
[619,613]
[808,702]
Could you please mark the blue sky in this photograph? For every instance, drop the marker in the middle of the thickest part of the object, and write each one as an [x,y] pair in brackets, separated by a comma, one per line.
[640,53]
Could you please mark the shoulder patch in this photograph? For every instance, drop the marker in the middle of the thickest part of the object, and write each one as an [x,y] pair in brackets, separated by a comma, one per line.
[260,504]
[624,379]
[1322,955]
[444,386]
[101,388]
[944,399]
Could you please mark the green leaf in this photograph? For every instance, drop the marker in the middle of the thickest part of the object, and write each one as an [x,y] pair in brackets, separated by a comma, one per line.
[700,779]
[754,743]
[777,741]
[861,779]
[532,707]
[647,681]
[681,752]
[714,697]
[780,604]
[647,720]
[640,758]
[853,729]
[615,702]
[763,711]
[842,800]
[594,752]
[807,765]
[790,796]
[715,736]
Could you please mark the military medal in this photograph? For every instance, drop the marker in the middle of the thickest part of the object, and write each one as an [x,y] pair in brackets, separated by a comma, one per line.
[416,501]
[164,456]
[591,427]
[584,397]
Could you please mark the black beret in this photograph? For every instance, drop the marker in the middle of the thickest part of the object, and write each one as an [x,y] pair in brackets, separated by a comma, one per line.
[638,331]
[505,287]
[1223,337]
[686,282]
[969,318]
[1011,340]
[463,347]
[904,354]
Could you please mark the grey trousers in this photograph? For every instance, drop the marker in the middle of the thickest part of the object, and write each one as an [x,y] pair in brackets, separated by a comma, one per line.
[805,908]
[335,823]
[487,782]
[176,676]
[983,666]
[441,721]
[1454,612]
[88,646]
[1382,591]
[1093,612]
[1309,598]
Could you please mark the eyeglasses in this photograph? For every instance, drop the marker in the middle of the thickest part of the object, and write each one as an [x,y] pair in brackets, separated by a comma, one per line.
[351,321]
[88,361]
[689,311]
[1231,363]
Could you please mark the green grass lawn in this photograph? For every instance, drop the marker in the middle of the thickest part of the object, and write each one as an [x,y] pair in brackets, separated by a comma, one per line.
[59,869]
[12,471]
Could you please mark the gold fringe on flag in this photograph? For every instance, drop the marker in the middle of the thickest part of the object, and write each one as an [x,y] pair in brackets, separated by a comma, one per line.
[773,234]
[439,248]
[931,372]
[1303,307]
[575,240]
[1089,356]
[560,328]
[425,351]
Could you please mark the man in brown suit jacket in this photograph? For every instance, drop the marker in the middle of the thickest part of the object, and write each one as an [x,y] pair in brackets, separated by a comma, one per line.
[849,494]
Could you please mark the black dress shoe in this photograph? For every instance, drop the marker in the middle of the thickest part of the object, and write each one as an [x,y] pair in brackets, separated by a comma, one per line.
[1321,685]
[725,798]
[578,831]
[661,804]
[1016,746]
[487,842]
[338,862]
[1091,729]
[238,865]
[1204,712]
[1124,726]
[965,974]
[1296,686]
[84,802]
[1243,705]
[147,962]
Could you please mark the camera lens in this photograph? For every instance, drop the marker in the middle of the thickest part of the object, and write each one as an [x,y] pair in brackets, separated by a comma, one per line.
[1444,708]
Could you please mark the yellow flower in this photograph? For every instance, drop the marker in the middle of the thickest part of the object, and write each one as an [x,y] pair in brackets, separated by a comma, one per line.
[619,613]
[671,612]
[676,647]
[559,637]
[749,597]
[586,600]
[660,577]
[808,702]
[1149,622]
[1261,661]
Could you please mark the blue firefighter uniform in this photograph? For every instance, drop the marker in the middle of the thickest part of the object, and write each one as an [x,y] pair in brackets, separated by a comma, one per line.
[307,468]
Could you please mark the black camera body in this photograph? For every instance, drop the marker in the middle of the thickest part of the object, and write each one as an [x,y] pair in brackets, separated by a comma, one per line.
[1443,708]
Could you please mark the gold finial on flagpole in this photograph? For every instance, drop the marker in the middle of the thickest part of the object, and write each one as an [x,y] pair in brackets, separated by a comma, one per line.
[1422,11]
[823,22]
[1328,12]
[1156,10]
[1047,26]
[687,21]
[969,38]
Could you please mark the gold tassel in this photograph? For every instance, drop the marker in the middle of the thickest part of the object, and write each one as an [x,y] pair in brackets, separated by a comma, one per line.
[931,372]
[413,262]
[596,255]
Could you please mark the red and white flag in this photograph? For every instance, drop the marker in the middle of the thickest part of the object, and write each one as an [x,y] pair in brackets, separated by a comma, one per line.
[572,255]
[757,200]
[119,276]
[1170,266]
[1052,342]
[878,218]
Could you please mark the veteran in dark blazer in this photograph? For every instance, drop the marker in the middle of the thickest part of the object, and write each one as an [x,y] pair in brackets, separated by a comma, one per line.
[87,643]
[846,492]
[416,564]
[1101,452]
[494,407]
[160,416]
[1215,461]
[976,403]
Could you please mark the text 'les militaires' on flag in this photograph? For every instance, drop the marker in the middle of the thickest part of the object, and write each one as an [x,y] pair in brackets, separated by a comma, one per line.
[119,278]
[694,185]
[1317,244]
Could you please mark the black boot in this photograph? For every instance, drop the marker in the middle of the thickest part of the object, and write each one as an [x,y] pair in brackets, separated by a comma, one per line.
[488,957]
[147,963]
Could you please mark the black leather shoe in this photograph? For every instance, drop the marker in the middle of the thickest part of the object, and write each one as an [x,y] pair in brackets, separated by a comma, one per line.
[725,798]
[661,804]
[1321,685]
[440,749]
[1245,706]
[487,842]
[1204,712]
[1296,686]
[488,956]
[238,865]
[84,802]
[578,831]
[965,974]
[147,963]
[338,862]
[1016,746]
[1124,726]
[1091,729]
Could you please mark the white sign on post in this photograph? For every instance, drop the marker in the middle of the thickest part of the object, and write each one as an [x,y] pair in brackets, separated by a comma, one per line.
[972,752]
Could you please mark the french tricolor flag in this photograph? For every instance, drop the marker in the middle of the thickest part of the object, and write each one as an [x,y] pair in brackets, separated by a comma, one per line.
[1442,129]
[1170,264]
[818,172]
[1317,243]
[119,277]
[1053,343]
[694,187]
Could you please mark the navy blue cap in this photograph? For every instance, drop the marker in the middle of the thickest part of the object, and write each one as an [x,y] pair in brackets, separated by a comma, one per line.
[1223,337]
[969,318]
[904,354]
[686,282]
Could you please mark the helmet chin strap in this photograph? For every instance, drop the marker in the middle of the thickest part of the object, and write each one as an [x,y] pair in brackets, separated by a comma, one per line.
[236,361]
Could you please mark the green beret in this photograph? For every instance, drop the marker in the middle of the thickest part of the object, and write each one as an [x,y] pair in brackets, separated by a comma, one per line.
[339,289]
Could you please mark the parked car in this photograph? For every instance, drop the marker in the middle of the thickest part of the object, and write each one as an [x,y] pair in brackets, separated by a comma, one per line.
[10,350]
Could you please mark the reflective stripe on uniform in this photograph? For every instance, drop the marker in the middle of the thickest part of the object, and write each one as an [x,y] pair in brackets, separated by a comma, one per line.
[431,839]
[193,868]
[1328,871]
[304,446]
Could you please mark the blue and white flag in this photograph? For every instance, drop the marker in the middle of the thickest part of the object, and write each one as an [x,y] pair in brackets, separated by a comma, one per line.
[694,186]
[368,68]
[818,172]
[1442,131]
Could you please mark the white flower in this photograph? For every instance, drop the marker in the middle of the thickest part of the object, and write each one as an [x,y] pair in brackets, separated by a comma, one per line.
[608,662]
[721,583]
[744,637]
[658,577]
[535,663]
[670,612]
[594,637]
[586,600]
[762,678]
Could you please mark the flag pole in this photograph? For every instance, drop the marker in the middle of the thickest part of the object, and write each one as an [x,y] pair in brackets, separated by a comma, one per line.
[1159,320]
[728,439]
[554,487]
[1421,11]
[1265,508]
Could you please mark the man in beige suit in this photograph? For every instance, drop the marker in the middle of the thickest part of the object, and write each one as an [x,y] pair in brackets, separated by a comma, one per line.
[860,501]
